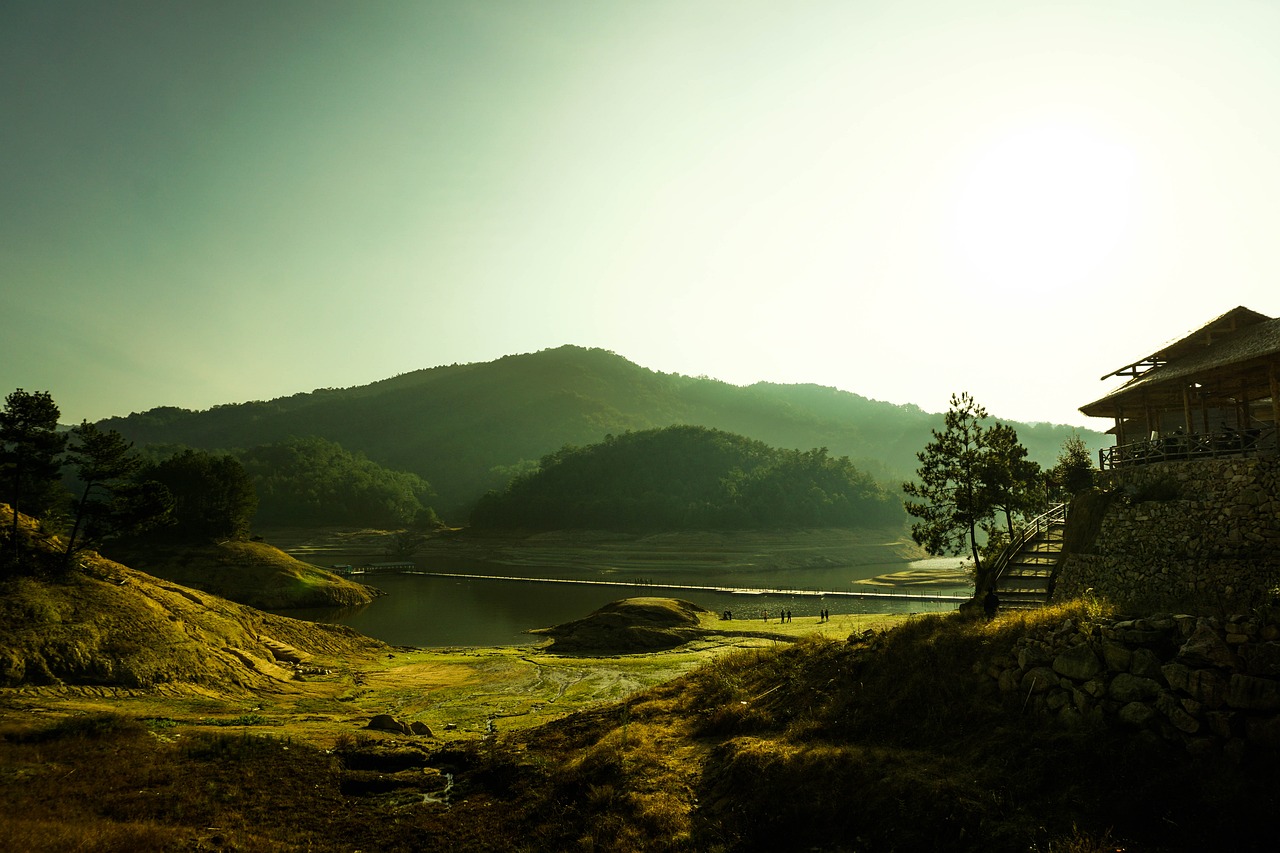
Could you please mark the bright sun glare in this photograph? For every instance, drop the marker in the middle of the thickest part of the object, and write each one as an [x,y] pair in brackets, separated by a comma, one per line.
[1043,205]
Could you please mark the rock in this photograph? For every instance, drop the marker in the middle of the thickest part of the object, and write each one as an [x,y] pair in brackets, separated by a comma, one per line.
[1079,663]
[388,723]
[1131,688]
[418,727]
[1177,715]
[1116,655]
[1176,675]
[1185,624]
[1250,693]
[1136,714]
[1206,648]
[1204,747]
[1263,731]
[1146,664]
[1038,680]
[1034,654]
[1263,659]
[1219,723]
[1207,686]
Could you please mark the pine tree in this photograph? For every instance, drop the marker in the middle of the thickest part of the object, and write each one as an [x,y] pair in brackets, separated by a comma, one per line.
[30,449]
[952,499]
[111,503]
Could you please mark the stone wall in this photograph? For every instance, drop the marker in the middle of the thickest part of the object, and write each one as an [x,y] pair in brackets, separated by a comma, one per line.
[1210,685]
[1201,536]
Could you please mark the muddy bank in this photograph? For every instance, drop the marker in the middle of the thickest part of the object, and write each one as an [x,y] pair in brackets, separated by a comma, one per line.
[652,555]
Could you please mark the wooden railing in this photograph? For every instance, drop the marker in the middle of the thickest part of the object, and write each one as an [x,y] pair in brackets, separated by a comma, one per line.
[1040,524]
[1170,448]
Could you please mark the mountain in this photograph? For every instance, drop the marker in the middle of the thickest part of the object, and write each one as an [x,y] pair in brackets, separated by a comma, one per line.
[468,428]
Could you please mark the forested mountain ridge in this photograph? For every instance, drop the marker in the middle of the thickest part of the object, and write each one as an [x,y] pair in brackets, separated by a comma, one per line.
[467,428]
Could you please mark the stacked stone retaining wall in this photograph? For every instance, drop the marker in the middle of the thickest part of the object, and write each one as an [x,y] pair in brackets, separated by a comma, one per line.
[1210,685]
[1200,535]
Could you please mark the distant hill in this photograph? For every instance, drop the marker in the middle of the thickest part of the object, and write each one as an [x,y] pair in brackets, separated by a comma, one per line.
[689,478]
[467,428]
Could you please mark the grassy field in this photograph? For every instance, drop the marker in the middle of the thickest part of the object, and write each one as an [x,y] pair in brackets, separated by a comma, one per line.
[883,741]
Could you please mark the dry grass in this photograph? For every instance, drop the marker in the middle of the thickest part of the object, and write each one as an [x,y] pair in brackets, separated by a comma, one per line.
[887,743]
[253,573]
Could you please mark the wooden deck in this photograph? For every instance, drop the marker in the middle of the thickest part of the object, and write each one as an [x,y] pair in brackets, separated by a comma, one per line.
[1172,448]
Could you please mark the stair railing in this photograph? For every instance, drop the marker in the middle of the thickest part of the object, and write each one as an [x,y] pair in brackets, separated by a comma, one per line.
[1056,514]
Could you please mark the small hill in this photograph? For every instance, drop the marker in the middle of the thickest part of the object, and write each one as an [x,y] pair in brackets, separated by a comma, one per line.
[689,477]
[253,573]
[629,625]
[110,625]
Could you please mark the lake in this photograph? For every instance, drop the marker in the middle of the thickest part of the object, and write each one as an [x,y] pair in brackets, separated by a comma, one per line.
[432,611]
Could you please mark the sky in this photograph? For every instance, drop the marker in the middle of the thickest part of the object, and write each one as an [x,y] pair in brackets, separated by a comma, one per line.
[214,202]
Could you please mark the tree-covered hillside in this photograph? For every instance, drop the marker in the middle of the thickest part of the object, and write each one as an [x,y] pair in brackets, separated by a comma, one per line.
[687,477]
[310,481]
[466,428]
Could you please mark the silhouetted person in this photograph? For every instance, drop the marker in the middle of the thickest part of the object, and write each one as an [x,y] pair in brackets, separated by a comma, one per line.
[991,604]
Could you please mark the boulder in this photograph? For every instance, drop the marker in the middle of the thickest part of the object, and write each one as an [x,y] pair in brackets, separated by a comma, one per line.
[1207,687]
[1117,655]
[1250,693]
[1264,659]
[1206,648]
[1079,663]
[1132,688]
[1176,675]
[1038,680]
[388,723]
[1177,715]
[1136,714]
[1146,664]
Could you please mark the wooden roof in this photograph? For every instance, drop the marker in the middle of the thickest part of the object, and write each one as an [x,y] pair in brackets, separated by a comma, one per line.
[1217,328]
[1228,355]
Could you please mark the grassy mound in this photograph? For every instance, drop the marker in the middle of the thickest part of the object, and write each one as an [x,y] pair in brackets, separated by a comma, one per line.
[629,625]
[252,573]
[109,625]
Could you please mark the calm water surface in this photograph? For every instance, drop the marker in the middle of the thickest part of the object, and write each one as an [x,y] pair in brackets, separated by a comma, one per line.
[428,611]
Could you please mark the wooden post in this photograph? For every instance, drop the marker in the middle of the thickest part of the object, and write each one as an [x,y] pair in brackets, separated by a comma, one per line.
[1186,409]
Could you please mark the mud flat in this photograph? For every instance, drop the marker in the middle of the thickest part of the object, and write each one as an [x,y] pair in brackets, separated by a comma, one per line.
[709,553]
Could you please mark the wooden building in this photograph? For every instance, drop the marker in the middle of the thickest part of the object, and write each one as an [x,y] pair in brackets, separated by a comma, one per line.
[1215,392]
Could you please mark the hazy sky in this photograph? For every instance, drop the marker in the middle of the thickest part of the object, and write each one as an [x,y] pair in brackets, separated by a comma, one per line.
[210,202]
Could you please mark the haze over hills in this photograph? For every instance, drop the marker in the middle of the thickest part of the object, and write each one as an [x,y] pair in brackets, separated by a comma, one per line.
[467,428]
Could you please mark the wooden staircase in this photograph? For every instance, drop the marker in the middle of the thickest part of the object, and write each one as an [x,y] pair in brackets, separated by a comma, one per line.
[1025,570]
